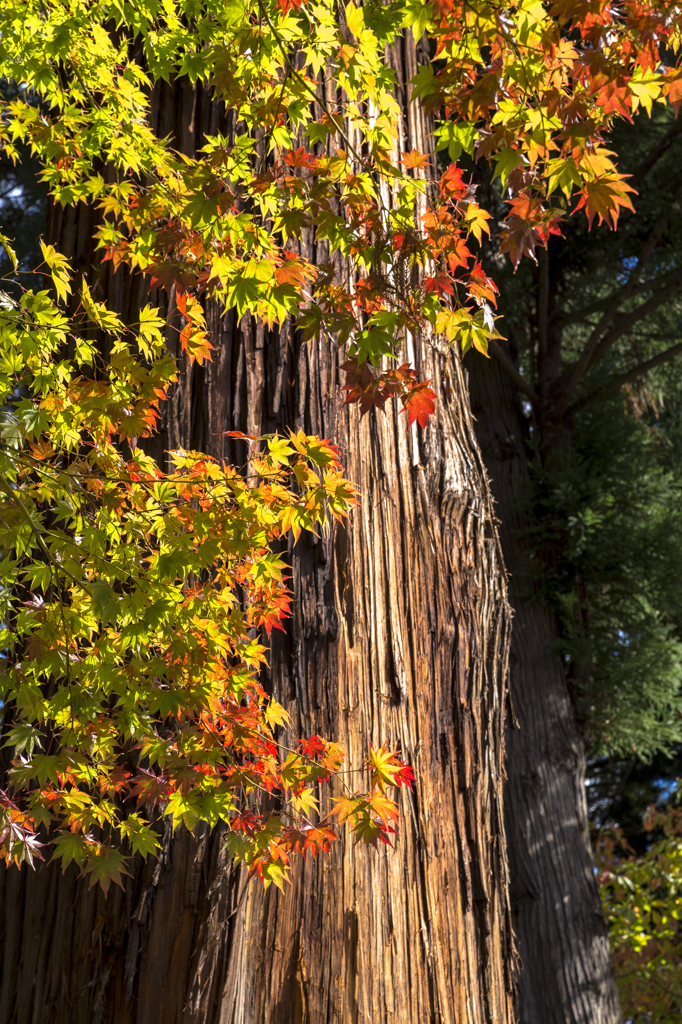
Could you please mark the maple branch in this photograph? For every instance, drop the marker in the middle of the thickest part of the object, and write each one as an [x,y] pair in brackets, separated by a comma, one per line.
[630,377]
[599,343]
[518,378]
[37,533]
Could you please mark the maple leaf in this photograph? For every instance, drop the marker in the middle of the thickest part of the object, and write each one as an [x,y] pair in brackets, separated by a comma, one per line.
[414,159]
[149,788]
[195,343]
[294,270]
[458,254]
[529,224]
[384,807]
[672,89]
[313,746]
[348,807]
[480,286]
[420,403]
[362,385]
[105,864]
[275,714]
[440,284]
[387,770]
[288,5]
[333,757]
[190,307]
[369,830]
[452,184]
[604,198]
[298,157]
[318,839]
[114,780]
[166,274]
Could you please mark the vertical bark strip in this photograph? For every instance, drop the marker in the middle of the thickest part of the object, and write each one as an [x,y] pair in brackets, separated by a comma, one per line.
[566,976]
[400,632]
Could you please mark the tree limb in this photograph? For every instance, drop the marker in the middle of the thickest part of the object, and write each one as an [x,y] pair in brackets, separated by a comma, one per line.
[628,289]
[597,346]
[543,306]
[518,378]
[653,158]
[630,376]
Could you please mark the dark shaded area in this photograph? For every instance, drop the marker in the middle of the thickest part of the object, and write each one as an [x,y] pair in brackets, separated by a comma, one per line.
[23,206]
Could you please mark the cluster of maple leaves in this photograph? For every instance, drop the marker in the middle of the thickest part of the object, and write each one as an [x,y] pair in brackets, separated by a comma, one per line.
[132,606]
[529,87]
[132,594]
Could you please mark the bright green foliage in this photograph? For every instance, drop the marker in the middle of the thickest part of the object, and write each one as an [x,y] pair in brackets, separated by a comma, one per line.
[131,604]
[642,898]
[227,222]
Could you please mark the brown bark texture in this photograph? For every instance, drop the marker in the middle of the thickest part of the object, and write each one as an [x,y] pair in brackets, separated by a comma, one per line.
[400,633]
[566,974]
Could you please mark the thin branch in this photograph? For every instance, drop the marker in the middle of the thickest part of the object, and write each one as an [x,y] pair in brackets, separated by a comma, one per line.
[37,532]
[594,348]
[630,377]
[518,378]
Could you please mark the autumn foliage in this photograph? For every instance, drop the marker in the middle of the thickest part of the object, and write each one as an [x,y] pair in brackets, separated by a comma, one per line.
[133,604]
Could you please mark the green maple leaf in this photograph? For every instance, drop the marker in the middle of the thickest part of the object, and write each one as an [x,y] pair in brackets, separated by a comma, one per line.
[70,846]
[104,600]
[105,866]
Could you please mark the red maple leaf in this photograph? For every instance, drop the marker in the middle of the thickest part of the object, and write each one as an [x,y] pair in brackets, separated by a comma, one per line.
[167,274]
[149,788]
[195,343]
[312,746]
[440,283]
[420,403]
[299,157]
[452,184]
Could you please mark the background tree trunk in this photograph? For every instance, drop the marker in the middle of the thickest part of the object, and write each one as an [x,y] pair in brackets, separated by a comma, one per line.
[400,632]
[566,972]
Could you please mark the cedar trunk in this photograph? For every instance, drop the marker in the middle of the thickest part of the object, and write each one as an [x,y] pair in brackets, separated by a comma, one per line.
[400,633]
[566,974]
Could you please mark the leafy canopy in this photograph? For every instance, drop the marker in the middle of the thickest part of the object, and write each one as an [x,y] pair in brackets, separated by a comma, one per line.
[529,88]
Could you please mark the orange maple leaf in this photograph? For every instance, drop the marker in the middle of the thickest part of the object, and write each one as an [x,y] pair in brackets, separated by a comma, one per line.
[414,159]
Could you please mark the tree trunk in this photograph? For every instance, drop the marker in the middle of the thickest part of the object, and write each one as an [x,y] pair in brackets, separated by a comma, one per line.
[566,972]
[400,632]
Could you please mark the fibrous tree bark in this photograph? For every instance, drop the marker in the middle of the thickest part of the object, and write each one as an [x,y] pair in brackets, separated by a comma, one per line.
[400,631]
